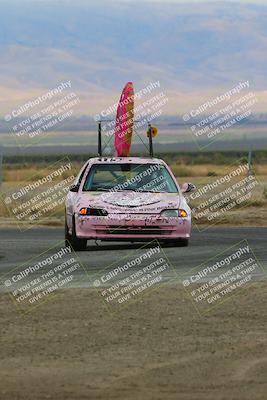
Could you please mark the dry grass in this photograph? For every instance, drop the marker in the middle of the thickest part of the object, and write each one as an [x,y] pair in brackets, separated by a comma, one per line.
[15,176]
[23,173]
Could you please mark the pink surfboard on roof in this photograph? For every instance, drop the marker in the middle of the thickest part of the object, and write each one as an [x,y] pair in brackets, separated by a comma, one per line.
[124,122]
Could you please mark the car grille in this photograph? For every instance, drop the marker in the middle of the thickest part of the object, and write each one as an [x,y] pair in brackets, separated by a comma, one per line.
[134,230]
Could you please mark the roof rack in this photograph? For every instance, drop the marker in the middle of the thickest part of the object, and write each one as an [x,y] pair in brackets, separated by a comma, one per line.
[149,134]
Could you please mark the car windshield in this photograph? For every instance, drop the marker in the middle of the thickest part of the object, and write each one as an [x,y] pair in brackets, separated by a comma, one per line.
[135,177]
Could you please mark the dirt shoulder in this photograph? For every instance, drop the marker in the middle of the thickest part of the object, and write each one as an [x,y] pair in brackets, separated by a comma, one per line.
[157,348]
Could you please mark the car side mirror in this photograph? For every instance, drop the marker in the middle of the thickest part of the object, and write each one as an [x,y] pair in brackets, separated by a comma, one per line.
[188,187]
[74,188]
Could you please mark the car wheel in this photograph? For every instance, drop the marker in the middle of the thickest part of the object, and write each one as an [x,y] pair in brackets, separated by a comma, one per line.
[76,243]
[182,242]
[67,234]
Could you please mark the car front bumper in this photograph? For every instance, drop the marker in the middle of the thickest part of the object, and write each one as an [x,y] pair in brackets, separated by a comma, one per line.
[132,227]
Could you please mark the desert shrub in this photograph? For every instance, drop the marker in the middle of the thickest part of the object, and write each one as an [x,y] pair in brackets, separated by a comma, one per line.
[180,171]
[251,203]
[211,173]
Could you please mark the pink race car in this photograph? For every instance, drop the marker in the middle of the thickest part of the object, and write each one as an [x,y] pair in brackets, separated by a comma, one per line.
[127,199]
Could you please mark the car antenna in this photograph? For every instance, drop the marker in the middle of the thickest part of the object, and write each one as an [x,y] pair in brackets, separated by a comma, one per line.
[99,139]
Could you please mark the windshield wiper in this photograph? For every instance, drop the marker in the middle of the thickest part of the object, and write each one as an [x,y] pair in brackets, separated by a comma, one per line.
[99,189]
[153,191]
[122,190]
[147,191]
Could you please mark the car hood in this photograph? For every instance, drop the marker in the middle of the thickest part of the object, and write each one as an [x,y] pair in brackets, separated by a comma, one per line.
[130,202]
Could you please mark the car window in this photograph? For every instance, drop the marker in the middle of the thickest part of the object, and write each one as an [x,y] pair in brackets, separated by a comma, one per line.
[82,174]
[137,177]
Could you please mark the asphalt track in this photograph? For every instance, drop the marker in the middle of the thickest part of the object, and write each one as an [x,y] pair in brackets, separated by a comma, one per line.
[17,248]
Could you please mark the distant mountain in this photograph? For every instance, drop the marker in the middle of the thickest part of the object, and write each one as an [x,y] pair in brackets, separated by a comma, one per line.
[100,45]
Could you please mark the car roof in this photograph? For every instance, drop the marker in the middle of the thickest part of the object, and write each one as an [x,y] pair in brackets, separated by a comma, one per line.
[126,160]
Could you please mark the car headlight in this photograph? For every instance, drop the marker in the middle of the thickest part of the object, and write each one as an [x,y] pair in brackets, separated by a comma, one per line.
[169,213]
[174,213]
[93,212]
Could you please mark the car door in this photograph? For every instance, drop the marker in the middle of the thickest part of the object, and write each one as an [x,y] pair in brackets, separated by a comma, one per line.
[72,196]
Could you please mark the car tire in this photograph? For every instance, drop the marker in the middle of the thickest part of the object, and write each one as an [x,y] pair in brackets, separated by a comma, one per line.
[182,242]
[67,234]
[76,243]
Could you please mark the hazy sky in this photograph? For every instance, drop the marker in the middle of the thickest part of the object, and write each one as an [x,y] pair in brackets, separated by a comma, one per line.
[144,1]
[201,1]
[195,51]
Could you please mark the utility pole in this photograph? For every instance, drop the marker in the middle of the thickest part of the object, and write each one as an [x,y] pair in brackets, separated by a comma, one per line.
[1,165]
[249,168]
[249,161]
